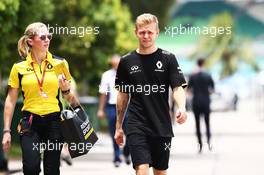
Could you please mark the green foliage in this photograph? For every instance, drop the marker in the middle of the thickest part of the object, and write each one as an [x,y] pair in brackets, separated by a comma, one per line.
[162,9]
[8,19]
[226,48]
[110,31]
[15,15]
[88,33]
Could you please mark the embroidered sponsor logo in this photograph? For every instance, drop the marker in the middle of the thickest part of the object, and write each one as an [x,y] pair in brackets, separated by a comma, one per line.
[134,69]
[159,67]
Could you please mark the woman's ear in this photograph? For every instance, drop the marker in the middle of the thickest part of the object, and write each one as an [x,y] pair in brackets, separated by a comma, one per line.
[30,42]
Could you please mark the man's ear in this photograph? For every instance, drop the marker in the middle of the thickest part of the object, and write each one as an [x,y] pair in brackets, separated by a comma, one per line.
[158,31]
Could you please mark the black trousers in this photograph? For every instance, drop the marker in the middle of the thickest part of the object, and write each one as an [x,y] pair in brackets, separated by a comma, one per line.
[43,135]
[199,111]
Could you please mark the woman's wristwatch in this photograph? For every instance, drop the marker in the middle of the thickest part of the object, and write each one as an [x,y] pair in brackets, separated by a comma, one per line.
[66,92]
[6,131]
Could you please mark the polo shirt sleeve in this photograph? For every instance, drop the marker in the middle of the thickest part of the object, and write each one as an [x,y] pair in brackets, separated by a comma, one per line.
[66,63]
[121,80]
[13,80]
[67,66]
[176,76]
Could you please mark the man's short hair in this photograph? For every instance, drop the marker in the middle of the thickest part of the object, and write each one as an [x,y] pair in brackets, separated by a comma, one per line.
[200,62]
[146,18]
[115,56]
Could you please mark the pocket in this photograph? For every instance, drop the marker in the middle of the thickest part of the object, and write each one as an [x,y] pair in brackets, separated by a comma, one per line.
[24,125]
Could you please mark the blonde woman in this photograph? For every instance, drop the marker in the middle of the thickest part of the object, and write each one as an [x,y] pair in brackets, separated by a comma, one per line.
[39,127]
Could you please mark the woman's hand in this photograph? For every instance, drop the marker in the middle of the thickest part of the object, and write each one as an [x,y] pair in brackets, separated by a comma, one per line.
[67,93]
[6,141]
[63,83]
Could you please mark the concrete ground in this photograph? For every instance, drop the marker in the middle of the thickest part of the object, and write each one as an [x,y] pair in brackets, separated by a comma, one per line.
[238,149]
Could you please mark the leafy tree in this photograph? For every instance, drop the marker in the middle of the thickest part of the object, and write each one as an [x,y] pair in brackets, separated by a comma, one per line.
[226,48]
[95,30]
[15,15]
[8,10]
[162,9]
[110,31]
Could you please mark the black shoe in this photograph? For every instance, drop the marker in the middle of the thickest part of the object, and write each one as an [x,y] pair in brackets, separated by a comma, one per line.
[127,160]
[3,166]
[200,148]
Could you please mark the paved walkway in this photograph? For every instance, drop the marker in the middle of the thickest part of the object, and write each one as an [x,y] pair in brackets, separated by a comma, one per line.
[238,149]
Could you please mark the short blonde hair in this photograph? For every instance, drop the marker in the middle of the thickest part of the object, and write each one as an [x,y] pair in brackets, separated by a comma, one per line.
[146,18]
[32,29]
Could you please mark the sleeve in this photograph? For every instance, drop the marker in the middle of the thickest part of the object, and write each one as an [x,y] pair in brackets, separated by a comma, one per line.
[66,72]
[212,86]
[103,88]
[121,80]
[13,80]
[66,63]
[190,82]
[175,74]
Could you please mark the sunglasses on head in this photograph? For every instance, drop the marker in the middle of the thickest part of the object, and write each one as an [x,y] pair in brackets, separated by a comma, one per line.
[43,37]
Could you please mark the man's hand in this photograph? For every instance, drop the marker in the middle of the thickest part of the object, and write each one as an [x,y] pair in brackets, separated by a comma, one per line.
[181,116]
[100,114]
[6,142]
[119,137]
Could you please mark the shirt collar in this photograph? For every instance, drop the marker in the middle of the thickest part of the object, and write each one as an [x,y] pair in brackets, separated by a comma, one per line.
[48,58]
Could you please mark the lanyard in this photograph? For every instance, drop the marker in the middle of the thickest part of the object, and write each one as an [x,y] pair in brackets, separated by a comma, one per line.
[40,83]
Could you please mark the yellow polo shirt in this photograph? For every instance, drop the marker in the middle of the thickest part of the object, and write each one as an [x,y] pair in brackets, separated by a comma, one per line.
[22,75]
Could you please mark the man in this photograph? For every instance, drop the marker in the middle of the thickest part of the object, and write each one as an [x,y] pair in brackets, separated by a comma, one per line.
[202,85]
[107,101]
[143,79]
[3,160]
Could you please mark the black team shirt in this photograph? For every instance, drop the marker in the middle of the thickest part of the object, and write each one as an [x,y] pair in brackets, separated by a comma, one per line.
[147,78]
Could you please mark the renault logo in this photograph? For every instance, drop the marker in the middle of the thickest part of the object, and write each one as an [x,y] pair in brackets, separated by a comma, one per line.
[159,64]
[134,68]
[49,66]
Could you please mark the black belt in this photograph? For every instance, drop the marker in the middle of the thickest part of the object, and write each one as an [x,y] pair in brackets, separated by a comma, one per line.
[110,105]
[51,116]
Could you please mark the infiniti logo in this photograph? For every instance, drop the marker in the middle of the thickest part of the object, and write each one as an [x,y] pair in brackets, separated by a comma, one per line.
[134,68]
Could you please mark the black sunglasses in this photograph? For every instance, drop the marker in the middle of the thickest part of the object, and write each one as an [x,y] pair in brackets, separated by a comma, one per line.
[43,37]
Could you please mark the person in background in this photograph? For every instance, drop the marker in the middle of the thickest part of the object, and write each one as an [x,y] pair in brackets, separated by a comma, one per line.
[107,102]
[3,159]
[201,85]
[41,90]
